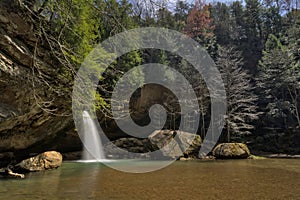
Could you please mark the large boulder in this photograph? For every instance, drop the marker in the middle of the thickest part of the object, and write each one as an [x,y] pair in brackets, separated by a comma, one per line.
[231,150]
[124,148]
[134,145]
[43,161]
[176,143]
[172,144]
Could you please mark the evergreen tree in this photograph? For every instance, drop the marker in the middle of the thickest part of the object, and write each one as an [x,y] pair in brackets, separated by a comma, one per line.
[165,19]
[238,35]
[181,12]
[280,77]
[271,20]
[253,30]
[222,22]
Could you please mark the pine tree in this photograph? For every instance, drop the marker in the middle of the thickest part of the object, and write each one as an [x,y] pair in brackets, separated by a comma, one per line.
[238,34]
[271,20]
[280,77]
[253,30]
[165,19]
[181,12]
[222,22]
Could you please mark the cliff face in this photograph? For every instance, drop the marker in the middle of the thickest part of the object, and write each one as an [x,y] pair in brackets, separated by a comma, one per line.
[33,117]
[25,124]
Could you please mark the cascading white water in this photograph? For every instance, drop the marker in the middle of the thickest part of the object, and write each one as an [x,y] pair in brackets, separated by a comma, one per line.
[92,141]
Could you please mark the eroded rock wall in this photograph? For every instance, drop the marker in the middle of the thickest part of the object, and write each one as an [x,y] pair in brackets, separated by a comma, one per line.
[24,126]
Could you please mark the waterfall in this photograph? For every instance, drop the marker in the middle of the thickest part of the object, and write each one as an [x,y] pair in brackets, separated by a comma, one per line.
[93,149]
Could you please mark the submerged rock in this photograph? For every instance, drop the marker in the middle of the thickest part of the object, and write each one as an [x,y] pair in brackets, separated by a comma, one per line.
[254,157]
[43,161]
[231,150]
[281,155]
[207,158]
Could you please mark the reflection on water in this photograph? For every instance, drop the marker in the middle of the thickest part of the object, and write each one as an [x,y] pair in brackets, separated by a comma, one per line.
[236,179]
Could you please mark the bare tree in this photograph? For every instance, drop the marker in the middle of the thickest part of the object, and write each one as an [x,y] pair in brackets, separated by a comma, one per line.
[241,107]
[148,8]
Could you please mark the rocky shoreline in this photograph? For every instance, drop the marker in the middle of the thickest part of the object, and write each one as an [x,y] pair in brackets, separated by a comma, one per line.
[142,148]
[52,160]
[44,161]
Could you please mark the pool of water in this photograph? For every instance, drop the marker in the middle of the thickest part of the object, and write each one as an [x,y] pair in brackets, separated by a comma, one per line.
[228,179]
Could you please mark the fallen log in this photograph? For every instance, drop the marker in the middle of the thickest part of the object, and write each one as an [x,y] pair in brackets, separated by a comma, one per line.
[8,173]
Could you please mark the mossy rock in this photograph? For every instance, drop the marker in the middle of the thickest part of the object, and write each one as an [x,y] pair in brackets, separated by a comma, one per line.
[44,161]
[231,151]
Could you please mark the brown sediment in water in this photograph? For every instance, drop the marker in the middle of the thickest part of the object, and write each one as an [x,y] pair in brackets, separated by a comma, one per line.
[222,179]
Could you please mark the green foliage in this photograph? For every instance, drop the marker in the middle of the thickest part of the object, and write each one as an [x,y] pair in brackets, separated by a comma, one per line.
[181,12]
[252,20]
[264,34]
[280,76]
[271,21]
[273,43]
[222,22]
[165,19]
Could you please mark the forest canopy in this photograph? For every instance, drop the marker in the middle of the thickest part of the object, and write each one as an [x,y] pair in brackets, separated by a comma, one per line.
[254,43]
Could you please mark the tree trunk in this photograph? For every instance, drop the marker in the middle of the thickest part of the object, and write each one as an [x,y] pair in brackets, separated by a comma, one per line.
[228,133]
